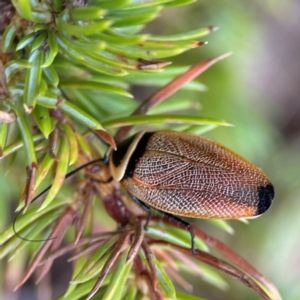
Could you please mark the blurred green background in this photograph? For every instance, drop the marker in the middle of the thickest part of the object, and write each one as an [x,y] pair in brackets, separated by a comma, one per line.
[257,89]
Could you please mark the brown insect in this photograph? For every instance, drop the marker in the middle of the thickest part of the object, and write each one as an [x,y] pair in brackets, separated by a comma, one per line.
[181,174]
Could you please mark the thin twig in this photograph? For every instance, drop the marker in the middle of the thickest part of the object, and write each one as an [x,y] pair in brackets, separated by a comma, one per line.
[150,258]
[136,244]
[219,265]
[66,218]
[92,239]
[89,196]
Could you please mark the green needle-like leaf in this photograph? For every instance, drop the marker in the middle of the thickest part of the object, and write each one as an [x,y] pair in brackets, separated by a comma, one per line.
[43,169]
[115,37]
[8,36]
[190,35]
[201,129]
[38,227]
[84,45]
[172,106]
[84,289]
[156,232]
[168,44]
[125,18]
[52,51]
[112,4]
[26,40]
[14,66]
[87,13]
[185,235]
[93,260]
[38,41]
[33,79]
[93,272]
[61,171]
[145,3]
[147,53]
[24,8]
[164,281]
[79,264]
[3,136]
[30,216]
[223,225]
[209,275]
[49,100]
[19,144]
[26,136]
[180,3]
[51,76]
[57,5]
[83,144]
[43,120]
[72,142]
[14,242]
[88,61]
[131,292]
[84,30]
[173,119]
[80,115]
[94,85]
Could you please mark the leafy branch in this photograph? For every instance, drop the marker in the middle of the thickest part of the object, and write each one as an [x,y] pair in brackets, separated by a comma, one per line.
[65,72]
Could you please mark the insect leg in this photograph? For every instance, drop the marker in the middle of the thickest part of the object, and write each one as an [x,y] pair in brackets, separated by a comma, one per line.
[170,216]
[144,207]
[186,224]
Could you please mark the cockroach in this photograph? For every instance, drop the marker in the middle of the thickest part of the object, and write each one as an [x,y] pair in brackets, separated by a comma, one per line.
[184,175]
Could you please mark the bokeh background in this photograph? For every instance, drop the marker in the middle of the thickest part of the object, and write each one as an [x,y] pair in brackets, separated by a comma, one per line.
[257,89]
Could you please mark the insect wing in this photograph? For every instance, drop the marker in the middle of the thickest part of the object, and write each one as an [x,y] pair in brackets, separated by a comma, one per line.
[192,176]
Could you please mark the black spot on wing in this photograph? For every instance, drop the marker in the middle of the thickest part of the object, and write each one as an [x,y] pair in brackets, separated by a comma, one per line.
[265,197]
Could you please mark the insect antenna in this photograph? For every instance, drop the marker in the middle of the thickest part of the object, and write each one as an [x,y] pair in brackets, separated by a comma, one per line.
[105,160]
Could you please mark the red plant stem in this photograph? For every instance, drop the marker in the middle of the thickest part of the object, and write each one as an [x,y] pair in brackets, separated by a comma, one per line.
[149,277]
[87,250]
[30,184]
[66,218]
[236,258]
[91,240]
[88,199]
[151,262]
[55,245]
[137,241]
[218,264]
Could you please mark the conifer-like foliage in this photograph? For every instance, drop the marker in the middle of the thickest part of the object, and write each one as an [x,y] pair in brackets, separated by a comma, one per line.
[66,68]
